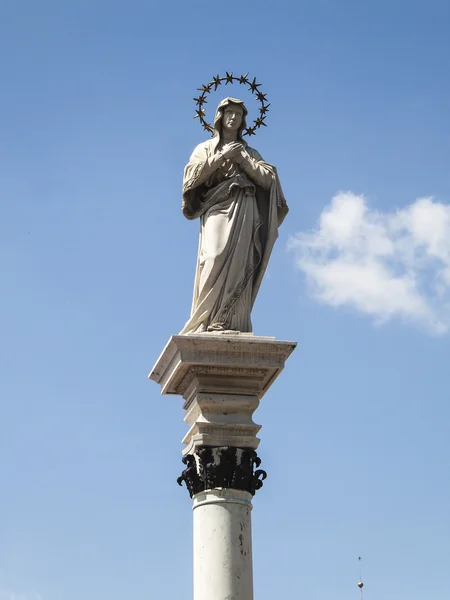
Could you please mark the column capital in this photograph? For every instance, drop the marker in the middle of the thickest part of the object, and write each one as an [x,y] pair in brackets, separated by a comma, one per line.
[222,468]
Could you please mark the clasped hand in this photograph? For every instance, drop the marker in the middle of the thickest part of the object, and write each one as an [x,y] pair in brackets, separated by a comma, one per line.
[235,151]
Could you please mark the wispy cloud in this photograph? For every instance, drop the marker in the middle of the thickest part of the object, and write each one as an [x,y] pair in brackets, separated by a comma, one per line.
[383,264]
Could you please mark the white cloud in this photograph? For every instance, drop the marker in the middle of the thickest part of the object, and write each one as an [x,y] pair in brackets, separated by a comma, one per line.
[385,265]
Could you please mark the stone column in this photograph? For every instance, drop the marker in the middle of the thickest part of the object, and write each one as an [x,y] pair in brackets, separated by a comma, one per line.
[223,545]
[222,379]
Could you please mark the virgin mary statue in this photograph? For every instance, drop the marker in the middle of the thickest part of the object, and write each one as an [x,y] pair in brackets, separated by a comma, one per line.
[240,203]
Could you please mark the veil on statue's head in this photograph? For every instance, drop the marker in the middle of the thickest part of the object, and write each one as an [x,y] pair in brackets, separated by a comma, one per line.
[219,116]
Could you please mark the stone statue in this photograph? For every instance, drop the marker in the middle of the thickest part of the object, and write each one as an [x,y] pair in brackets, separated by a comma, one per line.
[240,203]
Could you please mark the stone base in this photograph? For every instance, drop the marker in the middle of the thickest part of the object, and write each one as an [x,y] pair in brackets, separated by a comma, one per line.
[222,378]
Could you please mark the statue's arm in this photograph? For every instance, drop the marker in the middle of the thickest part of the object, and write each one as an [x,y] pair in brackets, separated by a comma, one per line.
[201,167]
[253,165]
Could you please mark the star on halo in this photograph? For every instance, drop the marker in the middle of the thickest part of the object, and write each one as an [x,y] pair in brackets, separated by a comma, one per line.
[253,86]
[200,100]
[229,78]
[199,114]
[216,82]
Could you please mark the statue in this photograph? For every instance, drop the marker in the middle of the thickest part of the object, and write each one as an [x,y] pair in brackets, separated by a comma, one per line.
[240,203]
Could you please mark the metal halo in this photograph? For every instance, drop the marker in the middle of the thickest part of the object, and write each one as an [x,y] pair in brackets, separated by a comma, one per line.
[200,112]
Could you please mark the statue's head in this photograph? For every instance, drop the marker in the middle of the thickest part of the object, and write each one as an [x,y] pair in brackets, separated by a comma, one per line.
[231,114]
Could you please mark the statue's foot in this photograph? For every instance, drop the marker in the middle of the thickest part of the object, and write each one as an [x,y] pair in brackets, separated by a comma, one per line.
[221,328]
[216,327]
[230,332]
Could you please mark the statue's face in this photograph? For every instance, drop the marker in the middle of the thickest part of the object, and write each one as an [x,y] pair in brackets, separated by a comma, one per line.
[232,117]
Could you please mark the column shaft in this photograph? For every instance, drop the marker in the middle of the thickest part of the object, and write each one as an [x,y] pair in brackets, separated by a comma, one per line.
[223,545]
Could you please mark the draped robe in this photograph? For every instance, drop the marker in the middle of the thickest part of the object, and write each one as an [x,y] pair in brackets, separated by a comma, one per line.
[240,210]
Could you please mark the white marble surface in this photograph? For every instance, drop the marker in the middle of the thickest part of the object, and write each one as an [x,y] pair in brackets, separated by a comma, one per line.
[253,361]
[221,419]
[222,379]
[223,545]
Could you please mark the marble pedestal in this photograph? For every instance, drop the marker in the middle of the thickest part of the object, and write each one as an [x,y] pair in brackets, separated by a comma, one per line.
[222,379]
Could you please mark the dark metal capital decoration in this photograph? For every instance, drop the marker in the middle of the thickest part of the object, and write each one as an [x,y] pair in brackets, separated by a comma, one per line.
[230,78]
[224,467]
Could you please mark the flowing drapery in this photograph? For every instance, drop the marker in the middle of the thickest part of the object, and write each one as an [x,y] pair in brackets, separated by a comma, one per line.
[240,211]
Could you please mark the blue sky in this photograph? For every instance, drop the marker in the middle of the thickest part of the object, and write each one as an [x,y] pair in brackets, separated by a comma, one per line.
[97,270]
